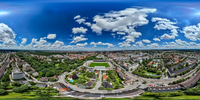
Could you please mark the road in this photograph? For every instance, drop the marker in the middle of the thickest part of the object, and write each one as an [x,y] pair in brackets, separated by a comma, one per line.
[98,83]
[165,81]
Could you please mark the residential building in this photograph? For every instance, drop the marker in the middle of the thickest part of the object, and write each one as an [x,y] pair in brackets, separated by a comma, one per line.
[26,67]
[107,85]
[44,79]
[17,74]
[105,78]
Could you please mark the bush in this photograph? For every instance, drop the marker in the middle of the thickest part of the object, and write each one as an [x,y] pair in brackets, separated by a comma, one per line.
[109,89]
[16,84]
[21,89]
[3,92]
[101,88]
[31,83]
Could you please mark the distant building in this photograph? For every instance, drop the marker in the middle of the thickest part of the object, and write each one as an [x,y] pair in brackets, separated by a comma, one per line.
[89,84]
[41,85]
[44,79]
[105,78]
[124,77]
[17,74]
[107,85]
[26,67]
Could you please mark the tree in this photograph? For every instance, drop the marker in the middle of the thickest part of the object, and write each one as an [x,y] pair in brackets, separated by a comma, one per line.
[131,69]
[31,83]
[145,82]
[20,89]
[90,74]
[16,84]
[3,92]
[186,64]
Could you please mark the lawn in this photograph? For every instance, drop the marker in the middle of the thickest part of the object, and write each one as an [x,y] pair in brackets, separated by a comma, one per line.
[19,95]
[99,64]
[56,65]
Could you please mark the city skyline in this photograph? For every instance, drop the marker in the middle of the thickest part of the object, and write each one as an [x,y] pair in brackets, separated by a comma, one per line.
[101,25]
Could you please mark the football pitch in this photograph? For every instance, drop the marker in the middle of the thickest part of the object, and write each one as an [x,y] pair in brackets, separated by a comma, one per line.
[99,64]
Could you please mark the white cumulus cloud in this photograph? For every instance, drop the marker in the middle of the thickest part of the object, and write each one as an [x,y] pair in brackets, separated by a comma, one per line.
[24,40]
[51,36]
[78,39]
[79,30]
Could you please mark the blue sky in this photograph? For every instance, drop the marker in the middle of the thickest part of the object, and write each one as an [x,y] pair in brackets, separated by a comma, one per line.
[99,25]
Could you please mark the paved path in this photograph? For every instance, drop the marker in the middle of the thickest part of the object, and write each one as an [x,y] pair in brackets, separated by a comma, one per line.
[98,83]
[165,81]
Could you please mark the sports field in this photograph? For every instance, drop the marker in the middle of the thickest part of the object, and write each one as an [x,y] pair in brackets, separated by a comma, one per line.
[99,64]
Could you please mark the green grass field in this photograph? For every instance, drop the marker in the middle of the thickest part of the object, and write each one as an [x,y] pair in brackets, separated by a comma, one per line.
[56,65]
[99,64]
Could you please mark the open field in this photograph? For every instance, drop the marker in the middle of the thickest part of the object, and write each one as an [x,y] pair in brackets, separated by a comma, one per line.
[99,64]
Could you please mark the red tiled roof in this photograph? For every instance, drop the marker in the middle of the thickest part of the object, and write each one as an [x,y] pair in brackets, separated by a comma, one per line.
[70,76]
[64,89]
[104,77]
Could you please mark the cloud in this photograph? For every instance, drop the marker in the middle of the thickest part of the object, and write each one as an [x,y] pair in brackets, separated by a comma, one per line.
[82,20]
[79,30]
[193,44]
[68,47]
[76,17]
[24,40]
[180,42]
[156,39]
[121,21]
[124,44]
[87,23]
[57,44]
[165,24]
[7,35]
[51,36]
[166,36]
[121,33]
[131,37]
[81,45]
[140,44]
[146,41]
[153,45]
[192,32]
[100,43]
[96,29]
[78,39]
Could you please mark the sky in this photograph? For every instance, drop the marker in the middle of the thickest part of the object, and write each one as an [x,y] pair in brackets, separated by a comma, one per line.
[95,25]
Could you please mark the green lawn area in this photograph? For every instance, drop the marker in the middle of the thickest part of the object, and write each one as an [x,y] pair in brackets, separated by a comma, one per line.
[184,97]
[19,95]
[56,65]
[150,72]
[99,64]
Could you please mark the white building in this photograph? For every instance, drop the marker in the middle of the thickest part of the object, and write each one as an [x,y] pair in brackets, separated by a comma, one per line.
[17,74]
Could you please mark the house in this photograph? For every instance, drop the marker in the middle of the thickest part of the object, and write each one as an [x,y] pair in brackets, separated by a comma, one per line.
[63,89]
[89,84]
[26,67]
[107,85]
[70,77]
[55,77]
[44,79]
[17,74]
[124,77]
[79,68]
[59,86]
[96,72]
[93,77]
[104,78]
[150,63]
[41,85]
